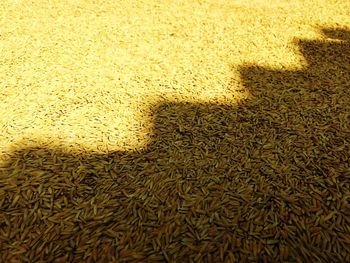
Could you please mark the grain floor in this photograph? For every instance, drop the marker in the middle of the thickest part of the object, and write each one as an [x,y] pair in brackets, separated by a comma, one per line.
[176,131]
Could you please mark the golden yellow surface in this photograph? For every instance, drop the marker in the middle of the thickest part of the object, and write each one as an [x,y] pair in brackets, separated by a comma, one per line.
[82,75]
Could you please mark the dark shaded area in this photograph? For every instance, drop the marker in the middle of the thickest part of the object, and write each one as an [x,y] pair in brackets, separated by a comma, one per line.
[337,33]
[268,180]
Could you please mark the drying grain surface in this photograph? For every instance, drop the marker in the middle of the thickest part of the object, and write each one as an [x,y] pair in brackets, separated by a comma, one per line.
[178,131]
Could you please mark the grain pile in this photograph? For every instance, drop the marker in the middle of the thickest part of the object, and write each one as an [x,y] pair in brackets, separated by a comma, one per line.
[195,131]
